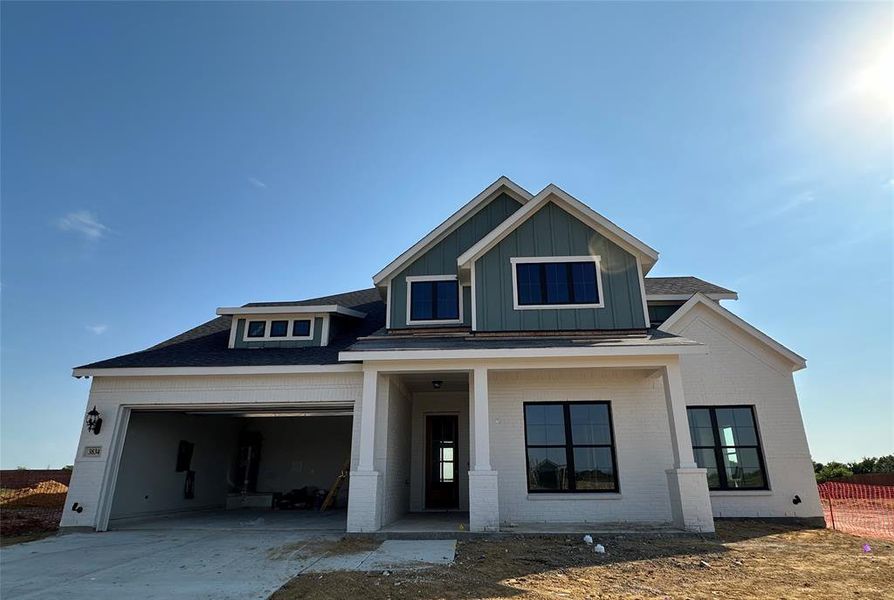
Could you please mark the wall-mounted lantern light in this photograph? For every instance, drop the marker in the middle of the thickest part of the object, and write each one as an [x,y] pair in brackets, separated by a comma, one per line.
[94,421]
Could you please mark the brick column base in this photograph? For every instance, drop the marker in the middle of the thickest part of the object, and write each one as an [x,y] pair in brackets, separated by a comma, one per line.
[364,502]
[690,502]
[484,503]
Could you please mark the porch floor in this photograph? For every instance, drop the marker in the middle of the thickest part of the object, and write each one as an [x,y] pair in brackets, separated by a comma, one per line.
[429,522]
[244,519]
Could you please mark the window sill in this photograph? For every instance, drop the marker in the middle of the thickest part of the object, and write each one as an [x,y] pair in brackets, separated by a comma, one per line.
[577,496]
[555,306]
[722,493]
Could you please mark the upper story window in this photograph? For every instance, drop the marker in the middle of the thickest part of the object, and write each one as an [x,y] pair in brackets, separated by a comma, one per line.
[725,442]
[556,282]
[256,329]
[433,299]
[278,329]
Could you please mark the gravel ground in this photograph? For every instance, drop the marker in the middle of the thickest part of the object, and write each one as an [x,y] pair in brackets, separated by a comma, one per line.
[746,560]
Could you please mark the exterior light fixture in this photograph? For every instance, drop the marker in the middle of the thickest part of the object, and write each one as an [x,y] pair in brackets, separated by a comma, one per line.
[437,383]
[94,421]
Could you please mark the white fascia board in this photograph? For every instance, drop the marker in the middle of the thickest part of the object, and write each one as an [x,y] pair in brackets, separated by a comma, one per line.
[453,221]
[291,310]
[798,362]
[576,208]
[685,297]
[487,353]
[248,370]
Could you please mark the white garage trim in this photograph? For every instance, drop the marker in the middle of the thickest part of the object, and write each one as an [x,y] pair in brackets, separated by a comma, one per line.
[106,494]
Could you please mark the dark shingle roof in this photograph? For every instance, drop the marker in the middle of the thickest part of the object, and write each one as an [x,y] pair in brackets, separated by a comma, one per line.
[500,342]
[207,344]
[346,299]
[682,285]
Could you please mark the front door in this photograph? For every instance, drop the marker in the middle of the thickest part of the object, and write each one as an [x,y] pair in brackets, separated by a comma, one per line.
[441,473]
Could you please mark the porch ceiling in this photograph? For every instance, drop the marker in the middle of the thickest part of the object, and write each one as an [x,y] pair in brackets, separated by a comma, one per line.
[423,382]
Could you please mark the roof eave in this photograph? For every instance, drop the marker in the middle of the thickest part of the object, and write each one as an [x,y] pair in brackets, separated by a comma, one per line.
[685,297]
[291,310]
[797,361]
[79,372]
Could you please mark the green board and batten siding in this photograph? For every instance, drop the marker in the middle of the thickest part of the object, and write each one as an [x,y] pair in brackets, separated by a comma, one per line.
[239,342]
[551,231]
[440,259]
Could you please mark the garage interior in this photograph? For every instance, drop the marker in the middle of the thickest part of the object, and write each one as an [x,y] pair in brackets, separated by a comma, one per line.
[234,467]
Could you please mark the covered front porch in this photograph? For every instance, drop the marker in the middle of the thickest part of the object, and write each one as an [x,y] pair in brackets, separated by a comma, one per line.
[450,436]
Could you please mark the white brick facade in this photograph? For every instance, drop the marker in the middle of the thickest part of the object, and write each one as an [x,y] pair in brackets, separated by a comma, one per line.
[484,501]
[740,370]
[642,443]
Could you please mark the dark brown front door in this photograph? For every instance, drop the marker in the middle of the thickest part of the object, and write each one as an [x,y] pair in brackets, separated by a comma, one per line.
[441,472]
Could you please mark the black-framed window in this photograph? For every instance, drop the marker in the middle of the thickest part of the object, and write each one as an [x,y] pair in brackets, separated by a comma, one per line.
[279,328]
[301,328]
[434,300]
[546,283]
[256,329]
[570,447]
[726,443]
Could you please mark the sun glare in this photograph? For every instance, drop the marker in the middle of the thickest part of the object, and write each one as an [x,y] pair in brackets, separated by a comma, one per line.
[873,83]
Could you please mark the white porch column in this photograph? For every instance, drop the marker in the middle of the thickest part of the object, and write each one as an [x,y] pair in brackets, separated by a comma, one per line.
[484,507]
[681,442]
[364,498]
[687,483]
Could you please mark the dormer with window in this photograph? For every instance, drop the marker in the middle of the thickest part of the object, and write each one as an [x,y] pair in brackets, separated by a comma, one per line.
[285,326]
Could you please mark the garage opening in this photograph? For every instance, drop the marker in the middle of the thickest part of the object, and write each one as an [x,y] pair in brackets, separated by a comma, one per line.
[234,468]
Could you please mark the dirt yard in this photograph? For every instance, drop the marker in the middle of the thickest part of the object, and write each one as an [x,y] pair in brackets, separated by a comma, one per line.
[31,510]
[746,560]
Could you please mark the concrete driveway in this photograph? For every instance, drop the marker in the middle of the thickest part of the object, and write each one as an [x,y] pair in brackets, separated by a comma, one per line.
[155,564]
[221,555]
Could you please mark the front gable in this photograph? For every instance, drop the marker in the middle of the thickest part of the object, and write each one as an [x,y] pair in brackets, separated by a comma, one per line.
[552,231]
[700,309]
[440,259]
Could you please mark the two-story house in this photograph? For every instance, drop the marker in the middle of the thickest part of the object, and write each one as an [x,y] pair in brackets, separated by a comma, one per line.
[516,365]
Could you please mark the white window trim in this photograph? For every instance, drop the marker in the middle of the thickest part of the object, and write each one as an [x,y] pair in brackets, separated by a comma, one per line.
[286,338]
[414,278]
[517,260]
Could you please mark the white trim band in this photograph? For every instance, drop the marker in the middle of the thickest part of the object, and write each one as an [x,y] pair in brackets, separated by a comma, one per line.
[235,370]
[290,310]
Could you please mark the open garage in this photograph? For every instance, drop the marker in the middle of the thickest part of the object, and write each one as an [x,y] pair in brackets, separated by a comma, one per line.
[236,466]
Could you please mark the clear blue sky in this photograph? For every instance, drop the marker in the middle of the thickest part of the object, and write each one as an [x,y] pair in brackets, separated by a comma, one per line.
[160,160]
